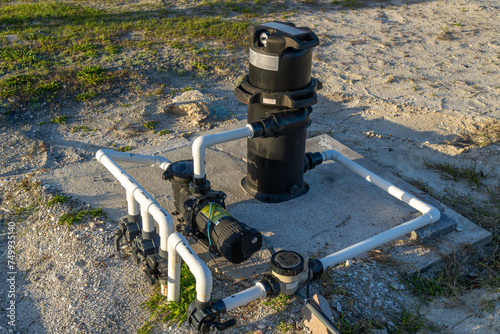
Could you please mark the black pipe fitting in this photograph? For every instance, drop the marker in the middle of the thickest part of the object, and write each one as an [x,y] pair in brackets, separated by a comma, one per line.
[316,267]
[272,286]
[311,160]
[282,123]
[203,318]
[134,218]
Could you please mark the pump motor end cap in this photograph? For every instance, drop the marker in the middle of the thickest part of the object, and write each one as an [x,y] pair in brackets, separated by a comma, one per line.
[287,263]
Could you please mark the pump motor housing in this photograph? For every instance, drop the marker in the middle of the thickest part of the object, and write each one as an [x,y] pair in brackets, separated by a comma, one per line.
[206,219]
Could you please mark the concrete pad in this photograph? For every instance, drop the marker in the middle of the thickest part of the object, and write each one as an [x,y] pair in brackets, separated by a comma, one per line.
[339,210]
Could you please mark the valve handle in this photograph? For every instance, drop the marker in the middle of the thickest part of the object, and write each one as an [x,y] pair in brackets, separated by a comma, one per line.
[118,238]
[216,327]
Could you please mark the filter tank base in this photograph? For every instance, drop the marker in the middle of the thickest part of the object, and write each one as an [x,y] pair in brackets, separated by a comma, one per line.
[273,198]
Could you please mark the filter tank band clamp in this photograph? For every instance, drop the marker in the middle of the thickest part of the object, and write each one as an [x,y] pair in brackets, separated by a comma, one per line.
[249,94]
[278,36]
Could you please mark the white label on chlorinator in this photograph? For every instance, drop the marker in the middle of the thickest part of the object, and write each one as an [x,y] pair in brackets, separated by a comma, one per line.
[268,62]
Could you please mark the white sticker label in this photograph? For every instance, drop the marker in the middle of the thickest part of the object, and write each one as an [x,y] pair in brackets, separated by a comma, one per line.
[263,61]
[268,101]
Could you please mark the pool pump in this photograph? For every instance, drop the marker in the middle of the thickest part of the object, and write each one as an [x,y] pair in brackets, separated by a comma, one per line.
[279,92]
[203,216]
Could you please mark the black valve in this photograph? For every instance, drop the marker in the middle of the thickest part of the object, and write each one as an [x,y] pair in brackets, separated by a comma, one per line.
[144,251]
[204,319]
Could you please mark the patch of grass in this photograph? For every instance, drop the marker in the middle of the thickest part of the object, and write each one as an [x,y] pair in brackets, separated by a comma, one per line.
[26,86]
[458,172]
[60,120]
[22,212]
[151,125]
[408,323]
[85,96]
[57,199]
[92,75]
[250,8]
[69,45]
[284,326]
[428,288]
[352,326]
[80,128]
[124,148]
[164,132]
[350,3]
[278,303]
[488,305]
[170,312]
[71,218]
[486,133]
[200,66]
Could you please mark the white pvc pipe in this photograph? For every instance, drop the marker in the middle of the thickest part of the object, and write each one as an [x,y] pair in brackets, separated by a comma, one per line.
[430,213]
[133,206]
[153,160]
[202,142]
[244,297]
[380,182]
[162,218]
[147,223]
[178,245]
[174,273]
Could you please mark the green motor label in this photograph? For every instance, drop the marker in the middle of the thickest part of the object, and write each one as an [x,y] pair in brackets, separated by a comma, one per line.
[216,213]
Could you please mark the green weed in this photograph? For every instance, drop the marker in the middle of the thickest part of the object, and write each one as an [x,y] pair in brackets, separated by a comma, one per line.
[170,312]
[284,326]
[458,172]
[428,288]
[488,305]
[60,120]
[22,212]
[85,96]
[349,3]
[151,125]
[57,199]
[352,326]
[408,323]
[164,132]
[278,303]
[124,148]
[71,218]
[200,66]
[80,128]
[92,75]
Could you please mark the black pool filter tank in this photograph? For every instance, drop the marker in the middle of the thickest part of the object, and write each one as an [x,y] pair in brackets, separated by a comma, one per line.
[279,92]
